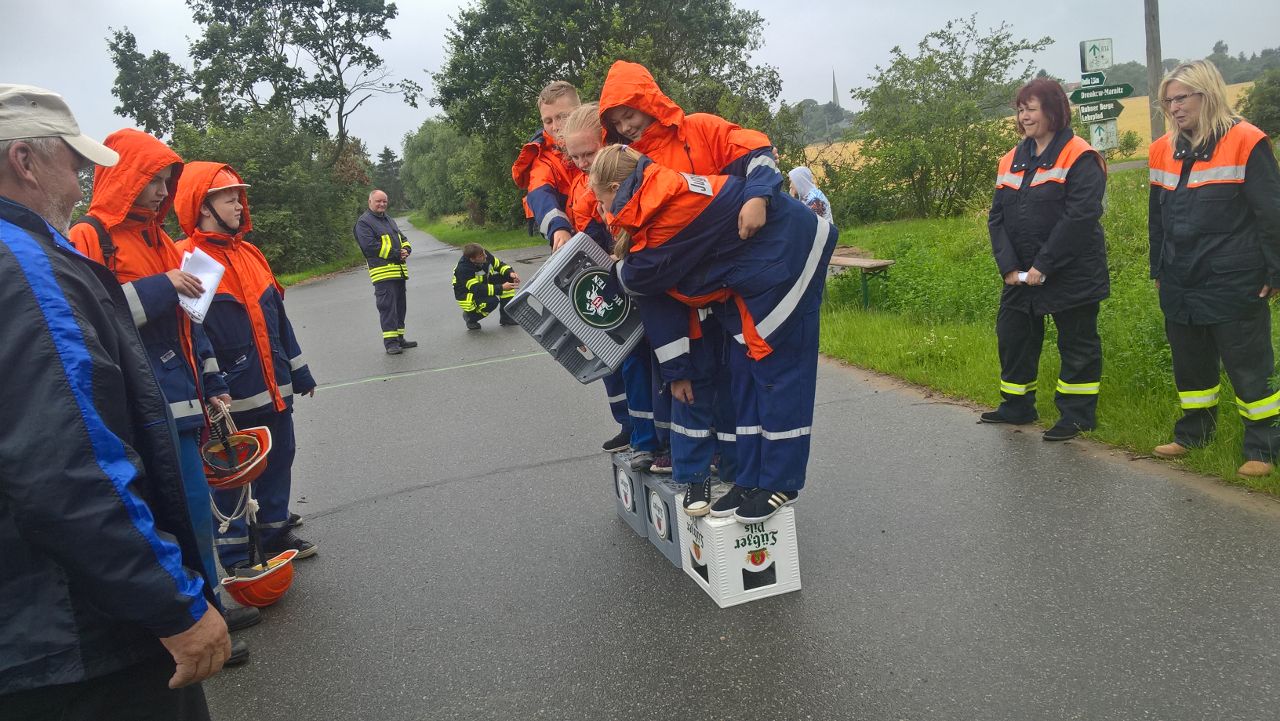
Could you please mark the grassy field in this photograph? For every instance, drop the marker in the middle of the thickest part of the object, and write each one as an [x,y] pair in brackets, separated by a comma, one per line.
[933,322]
[352,259]
[453,229]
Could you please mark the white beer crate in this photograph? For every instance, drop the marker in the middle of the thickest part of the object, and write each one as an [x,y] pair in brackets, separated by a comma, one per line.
[577,311]
[629,494]
[735,562]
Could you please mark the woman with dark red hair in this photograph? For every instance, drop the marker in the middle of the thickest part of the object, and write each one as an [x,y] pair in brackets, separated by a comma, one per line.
[1049,248]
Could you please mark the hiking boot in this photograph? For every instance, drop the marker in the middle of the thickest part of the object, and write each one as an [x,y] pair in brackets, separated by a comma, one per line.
[697,500]
[729,502]
[998,416]
[1062,431]
[473,325]
[290,541]
[640,460]
[405,343]
[759,504]
[661,463]
[618,443]
[394,349]
[239,652]
[1255,469]
[1170,450]
[241,617]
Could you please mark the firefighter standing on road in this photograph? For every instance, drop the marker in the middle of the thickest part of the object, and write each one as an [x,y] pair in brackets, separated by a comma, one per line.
[386,249]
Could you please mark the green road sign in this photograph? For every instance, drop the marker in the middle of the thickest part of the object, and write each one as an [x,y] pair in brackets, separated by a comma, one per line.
[1092,80]
[1102,92]
[1097,112]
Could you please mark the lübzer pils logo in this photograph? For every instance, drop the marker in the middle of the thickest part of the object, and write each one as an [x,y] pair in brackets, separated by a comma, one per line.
[595,302]
[758,558]
[658,514]
[624,490]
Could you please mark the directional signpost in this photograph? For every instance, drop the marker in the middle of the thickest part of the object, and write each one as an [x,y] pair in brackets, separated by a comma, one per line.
[1099,103]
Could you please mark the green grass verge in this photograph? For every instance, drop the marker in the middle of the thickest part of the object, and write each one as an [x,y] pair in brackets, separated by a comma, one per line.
[455,231]
[352,259]
[933,323]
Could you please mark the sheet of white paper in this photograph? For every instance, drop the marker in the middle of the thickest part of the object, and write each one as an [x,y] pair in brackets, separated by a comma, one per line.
[209,271]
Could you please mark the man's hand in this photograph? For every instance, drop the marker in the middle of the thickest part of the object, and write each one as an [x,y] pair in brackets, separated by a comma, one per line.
[185,283]
[1034,277]
[751,217]
[404,254]
[1011,278]
[310,394]
[682,390]
[200,651]
[559,238]
[515,278]
[224,399]
[509,285]
[1266,292]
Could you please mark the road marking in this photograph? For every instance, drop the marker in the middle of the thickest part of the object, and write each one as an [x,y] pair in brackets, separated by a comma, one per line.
[410,374]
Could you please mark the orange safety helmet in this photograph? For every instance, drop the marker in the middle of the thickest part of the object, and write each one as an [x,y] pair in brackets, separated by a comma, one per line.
[267,586]
[233,457]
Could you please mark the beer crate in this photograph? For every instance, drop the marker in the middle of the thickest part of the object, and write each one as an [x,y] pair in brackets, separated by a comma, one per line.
[629,494]
[576,310]
[735,562]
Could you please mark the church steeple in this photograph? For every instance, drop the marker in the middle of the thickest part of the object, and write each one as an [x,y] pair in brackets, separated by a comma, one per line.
[835,94]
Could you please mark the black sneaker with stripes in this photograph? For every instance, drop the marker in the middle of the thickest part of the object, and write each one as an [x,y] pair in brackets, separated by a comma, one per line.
[727,504]
[759,504]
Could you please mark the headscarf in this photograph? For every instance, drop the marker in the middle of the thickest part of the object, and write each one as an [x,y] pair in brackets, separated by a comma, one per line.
[802,181]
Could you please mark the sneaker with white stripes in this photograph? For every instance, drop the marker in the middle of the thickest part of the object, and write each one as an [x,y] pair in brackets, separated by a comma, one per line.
[759,504]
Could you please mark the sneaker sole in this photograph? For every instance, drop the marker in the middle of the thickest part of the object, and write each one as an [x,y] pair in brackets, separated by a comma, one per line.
[300,555]
[699,511]
[723,514]
[660,470]
[618,449]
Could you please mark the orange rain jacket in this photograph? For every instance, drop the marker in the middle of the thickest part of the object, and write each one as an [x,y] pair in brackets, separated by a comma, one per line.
[247,325]
[700,143]
[686,254]
[143,252]
[545,175]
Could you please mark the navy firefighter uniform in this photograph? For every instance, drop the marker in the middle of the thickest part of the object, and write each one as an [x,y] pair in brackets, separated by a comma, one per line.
[685,254]
[1214,228]
[1047,214]
[381,241]
[259,354]
[478,288]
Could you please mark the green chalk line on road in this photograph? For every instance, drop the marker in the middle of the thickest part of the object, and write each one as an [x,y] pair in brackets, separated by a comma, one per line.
[410,374]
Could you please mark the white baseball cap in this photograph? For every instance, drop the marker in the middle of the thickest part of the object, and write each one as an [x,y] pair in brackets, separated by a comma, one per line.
[31,112]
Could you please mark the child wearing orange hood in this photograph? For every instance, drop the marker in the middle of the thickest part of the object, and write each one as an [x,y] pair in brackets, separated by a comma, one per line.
[255,346]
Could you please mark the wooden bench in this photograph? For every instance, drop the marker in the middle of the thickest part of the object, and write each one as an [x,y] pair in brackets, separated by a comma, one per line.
[868,266]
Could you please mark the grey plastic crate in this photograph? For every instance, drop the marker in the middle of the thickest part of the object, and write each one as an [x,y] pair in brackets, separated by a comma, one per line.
[662,499]
[628,493]
[573,307]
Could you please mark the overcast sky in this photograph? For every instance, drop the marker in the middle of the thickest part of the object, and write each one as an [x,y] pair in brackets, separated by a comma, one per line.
[60,44]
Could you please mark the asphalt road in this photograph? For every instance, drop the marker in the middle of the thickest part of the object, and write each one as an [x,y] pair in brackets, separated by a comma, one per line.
[472,566]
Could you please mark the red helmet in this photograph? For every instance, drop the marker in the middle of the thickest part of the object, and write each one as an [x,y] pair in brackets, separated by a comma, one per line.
[233,457]
[267,585]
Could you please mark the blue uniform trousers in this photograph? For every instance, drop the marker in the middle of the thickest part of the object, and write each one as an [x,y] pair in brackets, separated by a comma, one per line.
[707,426]
[615,389]
[661,404]
[271,489]
[774,401]
[197,489]
[639,390]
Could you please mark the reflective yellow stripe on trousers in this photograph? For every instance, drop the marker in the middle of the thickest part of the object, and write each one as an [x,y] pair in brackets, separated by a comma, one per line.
[1257,410]
[1207,398]
[1078,389]
[1016,389]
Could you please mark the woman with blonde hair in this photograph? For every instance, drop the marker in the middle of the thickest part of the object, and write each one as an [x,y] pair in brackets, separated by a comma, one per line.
[1214,230]
[682,251]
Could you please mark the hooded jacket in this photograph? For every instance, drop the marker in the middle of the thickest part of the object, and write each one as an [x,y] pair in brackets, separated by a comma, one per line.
[701,143]
[143,252]
[97,556]
[584,213]
[685,247]
[247,326]
[545,177]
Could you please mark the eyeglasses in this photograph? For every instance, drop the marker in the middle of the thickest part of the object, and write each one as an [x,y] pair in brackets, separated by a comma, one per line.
[1178,100]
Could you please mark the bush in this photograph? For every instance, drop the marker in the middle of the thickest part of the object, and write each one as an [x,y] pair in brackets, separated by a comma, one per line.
[1261,106]
[303,209]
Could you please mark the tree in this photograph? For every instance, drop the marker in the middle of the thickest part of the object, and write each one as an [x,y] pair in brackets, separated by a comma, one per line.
[386,177]
[1261,106]
[437,170]
[931,142]
[309,58]
[500,53]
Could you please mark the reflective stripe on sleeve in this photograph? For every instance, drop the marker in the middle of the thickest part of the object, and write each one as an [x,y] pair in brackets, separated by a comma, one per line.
[546,219]
[298,361]
[210,366]
[259,400]
[762,160]
[674,349]
[135,305]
